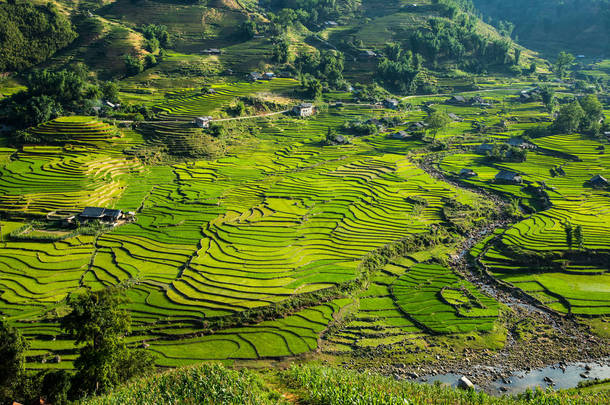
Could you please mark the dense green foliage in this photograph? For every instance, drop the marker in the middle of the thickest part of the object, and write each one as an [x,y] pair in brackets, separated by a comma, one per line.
[49,94]
[30,34]
[207,384]
[96,319]
[12,360]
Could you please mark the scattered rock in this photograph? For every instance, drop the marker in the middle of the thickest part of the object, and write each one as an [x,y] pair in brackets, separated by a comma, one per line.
[464,383]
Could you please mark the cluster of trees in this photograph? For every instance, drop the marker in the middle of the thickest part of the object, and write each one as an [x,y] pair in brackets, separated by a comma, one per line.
[359,128]
[459,41]
[30,34]
[503,152]
[311,13]
[574,235]
[96,320]
[320,70]
[400,69]
[157,39]
[327,66]
[584,115]
[49,94]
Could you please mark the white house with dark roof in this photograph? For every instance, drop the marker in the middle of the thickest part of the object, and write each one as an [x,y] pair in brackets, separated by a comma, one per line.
[304,109]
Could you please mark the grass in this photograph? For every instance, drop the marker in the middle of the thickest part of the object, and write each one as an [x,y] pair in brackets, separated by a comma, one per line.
[314,384]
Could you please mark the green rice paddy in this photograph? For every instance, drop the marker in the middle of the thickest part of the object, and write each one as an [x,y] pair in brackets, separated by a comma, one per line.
[282,216]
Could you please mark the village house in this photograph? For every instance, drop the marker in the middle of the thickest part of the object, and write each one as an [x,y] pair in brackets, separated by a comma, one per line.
[526,96]
[331,23]
[400,135]
[467,173]
[390,103]
[254,76]
[212,51]
[100,214]
[368,54]
[457,100]
[599,181]
[455,117]
[417,126]
[269,76]
[203,122]
[304,109]
[508,177]
[484,148]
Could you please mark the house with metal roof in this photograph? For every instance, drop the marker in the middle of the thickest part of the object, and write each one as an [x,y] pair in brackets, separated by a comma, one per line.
[100,214]
[508,177]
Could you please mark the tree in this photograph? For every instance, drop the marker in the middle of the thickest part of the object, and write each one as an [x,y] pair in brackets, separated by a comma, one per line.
[313,87]
[98,320]
[578,237]
[133,65]
[517,56]
[281,51]
[110,91]
[564,60]
[436,121]
[568,229]
[12,360]
[594,111]
[548,96]
[150,60]
[569,118]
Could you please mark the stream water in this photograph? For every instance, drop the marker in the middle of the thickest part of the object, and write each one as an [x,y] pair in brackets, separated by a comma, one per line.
[554,376]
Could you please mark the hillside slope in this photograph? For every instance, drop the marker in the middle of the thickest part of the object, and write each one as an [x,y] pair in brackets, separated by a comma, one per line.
[553,25]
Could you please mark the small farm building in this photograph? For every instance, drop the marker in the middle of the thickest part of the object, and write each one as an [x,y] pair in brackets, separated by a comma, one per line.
[101,214]
[599,181]
[400,135]
[203,122]
[509,177]
[467,173]
[304,109]
[391,103]
[484,148]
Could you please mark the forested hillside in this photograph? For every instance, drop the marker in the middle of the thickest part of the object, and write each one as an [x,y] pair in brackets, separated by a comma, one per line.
[551,25]
[30,34]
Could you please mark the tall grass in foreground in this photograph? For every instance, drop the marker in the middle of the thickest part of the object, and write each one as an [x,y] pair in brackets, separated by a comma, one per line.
[327,385]
[314,385]
[205,384]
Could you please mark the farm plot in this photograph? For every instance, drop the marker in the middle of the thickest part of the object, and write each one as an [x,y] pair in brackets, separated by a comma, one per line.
[441,302]
[188,104]
[44,179]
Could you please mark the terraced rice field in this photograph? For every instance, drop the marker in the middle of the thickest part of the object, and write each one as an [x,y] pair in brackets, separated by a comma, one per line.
[188,104]
[279,218]
[86,168]
[573,283]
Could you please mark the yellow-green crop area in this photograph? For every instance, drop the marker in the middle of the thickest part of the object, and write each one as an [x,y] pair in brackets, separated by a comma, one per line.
[283,222]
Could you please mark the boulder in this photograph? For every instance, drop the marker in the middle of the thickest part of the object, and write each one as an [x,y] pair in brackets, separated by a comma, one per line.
[464,383]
